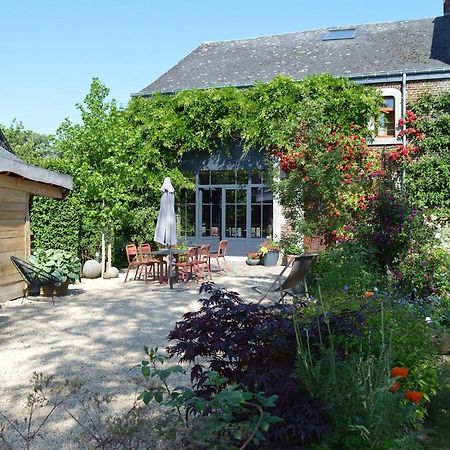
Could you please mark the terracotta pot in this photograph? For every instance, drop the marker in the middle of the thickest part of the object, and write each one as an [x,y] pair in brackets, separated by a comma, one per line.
[47,290]
[62,288]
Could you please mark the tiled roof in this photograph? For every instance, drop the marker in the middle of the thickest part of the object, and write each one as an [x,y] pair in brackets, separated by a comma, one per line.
[382,48]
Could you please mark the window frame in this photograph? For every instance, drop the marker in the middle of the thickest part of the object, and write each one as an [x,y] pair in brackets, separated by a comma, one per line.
[397,96]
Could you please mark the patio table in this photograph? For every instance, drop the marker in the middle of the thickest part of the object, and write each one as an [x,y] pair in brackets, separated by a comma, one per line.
[160,254]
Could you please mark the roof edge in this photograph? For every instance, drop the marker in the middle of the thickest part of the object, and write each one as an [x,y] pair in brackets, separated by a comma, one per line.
[14,165]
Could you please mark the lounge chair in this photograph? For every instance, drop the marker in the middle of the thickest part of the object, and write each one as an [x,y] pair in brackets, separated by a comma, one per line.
[294,284]
[34,277]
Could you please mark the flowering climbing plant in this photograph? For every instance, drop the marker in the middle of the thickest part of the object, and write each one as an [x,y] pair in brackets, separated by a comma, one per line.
[337,174]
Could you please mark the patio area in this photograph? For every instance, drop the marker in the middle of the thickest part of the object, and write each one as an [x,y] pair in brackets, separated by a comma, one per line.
[97,333]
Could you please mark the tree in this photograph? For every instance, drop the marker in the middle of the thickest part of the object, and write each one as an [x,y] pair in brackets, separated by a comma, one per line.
[27,144]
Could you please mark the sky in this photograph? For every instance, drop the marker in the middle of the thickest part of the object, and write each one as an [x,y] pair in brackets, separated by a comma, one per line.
[51,49]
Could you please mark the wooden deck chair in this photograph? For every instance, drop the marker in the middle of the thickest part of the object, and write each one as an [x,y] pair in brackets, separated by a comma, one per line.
[34,277]
[294,284]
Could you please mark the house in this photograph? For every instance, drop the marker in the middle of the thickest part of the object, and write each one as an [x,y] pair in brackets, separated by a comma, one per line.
[402,59]
[19,180]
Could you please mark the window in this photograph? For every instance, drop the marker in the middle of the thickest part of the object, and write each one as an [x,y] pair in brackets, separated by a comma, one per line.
[385,126]
[262,212]
[186,213]
[337,35]
[386,121]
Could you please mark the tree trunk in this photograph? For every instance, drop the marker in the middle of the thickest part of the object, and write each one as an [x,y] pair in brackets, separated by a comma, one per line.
[109,261]
[103,253]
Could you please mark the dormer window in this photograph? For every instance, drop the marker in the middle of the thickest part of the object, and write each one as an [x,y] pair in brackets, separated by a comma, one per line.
[337,35]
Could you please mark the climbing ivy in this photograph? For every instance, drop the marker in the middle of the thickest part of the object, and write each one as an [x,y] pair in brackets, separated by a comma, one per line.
[428,176]
[119,156]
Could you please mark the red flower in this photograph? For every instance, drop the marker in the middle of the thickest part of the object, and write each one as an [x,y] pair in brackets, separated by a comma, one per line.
[414,396]
[401,372]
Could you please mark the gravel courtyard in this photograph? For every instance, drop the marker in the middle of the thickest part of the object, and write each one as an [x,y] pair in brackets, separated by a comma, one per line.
[96,333]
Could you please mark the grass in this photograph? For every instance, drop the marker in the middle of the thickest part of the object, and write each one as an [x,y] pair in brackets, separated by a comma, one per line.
[436,432]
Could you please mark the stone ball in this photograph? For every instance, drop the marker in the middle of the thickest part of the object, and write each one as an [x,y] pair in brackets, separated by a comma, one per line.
[112,272]
[92,269]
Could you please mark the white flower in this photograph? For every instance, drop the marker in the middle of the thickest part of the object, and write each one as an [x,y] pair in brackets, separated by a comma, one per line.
[433,217]
[428,320]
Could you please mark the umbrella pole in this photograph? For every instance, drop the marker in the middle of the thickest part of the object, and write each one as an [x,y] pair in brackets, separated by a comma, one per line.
[170,269]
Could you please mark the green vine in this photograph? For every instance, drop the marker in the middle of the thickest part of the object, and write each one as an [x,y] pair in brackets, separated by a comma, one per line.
[119,156]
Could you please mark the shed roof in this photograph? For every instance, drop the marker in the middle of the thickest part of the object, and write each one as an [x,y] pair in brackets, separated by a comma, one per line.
[12,165]
[381,48]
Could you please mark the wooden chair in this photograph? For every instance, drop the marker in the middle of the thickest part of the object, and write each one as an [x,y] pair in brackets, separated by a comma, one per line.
[221,252]
[185,265]
[134,261]
[202,262]
[156,265]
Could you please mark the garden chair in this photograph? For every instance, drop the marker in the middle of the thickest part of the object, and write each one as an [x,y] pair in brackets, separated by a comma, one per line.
[294,284]
[34,277]
[202,262]
[185,265]
[221,252]
[147,260]
[134,260]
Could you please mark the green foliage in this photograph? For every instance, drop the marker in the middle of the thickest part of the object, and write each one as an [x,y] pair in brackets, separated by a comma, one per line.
[427,183]
[231,416]
[61,264]
[424,269]
[26,144]
[119,157]
[346,267]
[355,386]
[427,177]
[55,223]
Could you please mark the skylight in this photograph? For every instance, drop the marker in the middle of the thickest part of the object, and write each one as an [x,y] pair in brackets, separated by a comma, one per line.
[335,35]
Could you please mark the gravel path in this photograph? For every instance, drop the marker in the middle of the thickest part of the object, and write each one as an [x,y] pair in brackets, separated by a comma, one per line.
[96,333]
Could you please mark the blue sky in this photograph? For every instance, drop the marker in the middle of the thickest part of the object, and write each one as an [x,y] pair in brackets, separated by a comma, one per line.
[51,49]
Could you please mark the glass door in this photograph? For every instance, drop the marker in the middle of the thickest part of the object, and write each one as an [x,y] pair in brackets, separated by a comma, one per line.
[235,212]
[211,215]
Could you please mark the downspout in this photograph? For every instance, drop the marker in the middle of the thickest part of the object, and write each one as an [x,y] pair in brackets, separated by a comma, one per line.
[402,186]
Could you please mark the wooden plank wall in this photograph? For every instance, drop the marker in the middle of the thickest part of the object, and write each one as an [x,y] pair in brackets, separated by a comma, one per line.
[14,240]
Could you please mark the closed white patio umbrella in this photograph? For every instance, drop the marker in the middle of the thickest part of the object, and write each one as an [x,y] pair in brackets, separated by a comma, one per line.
[166,229]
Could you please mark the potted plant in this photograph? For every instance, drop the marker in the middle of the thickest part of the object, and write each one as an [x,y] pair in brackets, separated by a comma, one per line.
[269,251]
[253,259]
[61,264]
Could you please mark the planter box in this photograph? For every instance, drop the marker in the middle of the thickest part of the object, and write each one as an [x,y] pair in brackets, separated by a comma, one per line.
[270,259]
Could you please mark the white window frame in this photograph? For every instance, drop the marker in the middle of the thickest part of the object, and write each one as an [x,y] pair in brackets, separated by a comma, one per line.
[397,95]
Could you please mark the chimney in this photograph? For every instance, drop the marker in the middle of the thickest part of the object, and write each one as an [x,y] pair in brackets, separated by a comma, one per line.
[446,7]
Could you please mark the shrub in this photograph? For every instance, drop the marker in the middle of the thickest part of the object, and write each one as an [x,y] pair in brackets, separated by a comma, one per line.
[230,416]
[345,266]
[353,378]
[61,264]
[253,346]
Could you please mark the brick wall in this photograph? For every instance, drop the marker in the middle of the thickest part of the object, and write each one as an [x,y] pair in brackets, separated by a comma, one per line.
[417,88]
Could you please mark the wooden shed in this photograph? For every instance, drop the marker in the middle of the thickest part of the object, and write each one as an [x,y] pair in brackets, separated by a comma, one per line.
[19,180]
